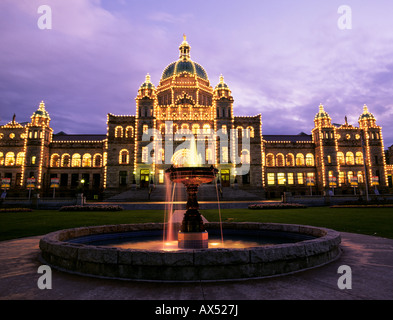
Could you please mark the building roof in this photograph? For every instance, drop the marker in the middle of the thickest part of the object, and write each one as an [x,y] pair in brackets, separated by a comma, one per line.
[184,64]
[63,137]
[302,137]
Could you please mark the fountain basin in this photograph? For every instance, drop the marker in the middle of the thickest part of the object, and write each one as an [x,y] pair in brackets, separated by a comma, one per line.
[190,264]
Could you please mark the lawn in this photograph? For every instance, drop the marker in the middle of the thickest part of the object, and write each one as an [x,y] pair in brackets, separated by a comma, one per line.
[370,221]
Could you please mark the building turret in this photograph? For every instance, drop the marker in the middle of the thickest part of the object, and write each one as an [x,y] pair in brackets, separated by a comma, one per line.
[322,118]
[366,119]
[40,116]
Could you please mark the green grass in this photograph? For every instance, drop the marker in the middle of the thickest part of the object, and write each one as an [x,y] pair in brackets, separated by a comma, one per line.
[38,222]
[370,221]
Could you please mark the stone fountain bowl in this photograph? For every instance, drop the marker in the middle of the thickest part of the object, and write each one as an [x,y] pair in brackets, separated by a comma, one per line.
[58,251]
[192,175]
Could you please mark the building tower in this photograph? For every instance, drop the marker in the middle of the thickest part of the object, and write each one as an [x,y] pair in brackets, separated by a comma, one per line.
[39,136]
[323,136]
[371,135]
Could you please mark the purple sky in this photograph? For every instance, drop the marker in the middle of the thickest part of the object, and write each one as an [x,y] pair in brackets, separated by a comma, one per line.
[280,58]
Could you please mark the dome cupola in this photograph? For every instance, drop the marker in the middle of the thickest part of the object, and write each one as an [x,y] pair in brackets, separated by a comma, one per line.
[184,65]
[366,119]
[322,118]
[40,116]
[147,89]
[222,89]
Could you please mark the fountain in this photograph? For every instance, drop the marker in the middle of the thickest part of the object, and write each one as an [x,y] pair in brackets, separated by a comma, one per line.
[100,250]
[192,234]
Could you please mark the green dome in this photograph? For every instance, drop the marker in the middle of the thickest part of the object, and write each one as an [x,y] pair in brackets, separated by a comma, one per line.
[322,114]
[366,115]
[184,64]
[41,112]
[221,85]
[147,84]
[181,66]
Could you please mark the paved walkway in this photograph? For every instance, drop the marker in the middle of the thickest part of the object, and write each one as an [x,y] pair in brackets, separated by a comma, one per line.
[370,258]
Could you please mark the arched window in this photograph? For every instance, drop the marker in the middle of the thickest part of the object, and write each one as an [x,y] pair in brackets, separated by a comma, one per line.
[209,155]
[86,160]
[65,160]
[360,177]
[300,159]
[250,131]
[184,128]
[119,132]
[224,129]
[290,161]
[10,159]
[124,156]
[280,160]
[239,132]
[1,158]
[350,158]
[175,128]
[359,158]
[349,176]
[76,160]
[97,159]
[161,156]
[20,159]
[270,160]
[245,156]
[310,159]
[195,128]
[340,158]
[206,128]
[55,160]
[129,132]
[145,129]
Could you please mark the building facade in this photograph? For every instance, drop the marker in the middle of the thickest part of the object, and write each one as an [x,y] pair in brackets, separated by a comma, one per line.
[187,121]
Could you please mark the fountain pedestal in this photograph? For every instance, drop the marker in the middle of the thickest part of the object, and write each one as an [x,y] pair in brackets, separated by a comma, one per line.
[192,234]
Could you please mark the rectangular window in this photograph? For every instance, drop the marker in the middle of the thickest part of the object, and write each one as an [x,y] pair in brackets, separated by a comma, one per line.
[270,179]
[86,180]
[310,175]
[96,180]
[290,178]
[281,178]
[300,179]
[74,180]
[123,178]
[160,176]
[63,180]
[341,177]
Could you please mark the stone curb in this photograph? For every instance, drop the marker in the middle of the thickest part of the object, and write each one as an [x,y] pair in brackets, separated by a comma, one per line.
[190,265]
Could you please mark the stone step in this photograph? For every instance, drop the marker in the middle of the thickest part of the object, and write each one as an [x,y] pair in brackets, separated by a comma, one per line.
[206,192]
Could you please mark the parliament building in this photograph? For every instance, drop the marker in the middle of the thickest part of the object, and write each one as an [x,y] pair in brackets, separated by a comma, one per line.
[184,108]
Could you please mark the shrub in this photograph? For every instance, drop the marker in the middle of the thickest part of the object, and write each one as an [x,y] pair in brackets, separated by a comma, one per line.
[92,208]
[263,206]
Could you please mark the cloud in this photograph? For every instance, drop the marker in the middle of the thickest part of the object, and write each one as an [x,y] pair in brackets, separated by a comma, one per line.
[280,59]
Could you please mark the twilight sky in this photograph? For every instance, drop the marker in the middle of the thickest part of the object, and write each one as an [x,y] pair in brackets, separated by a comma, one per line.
[280,58]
